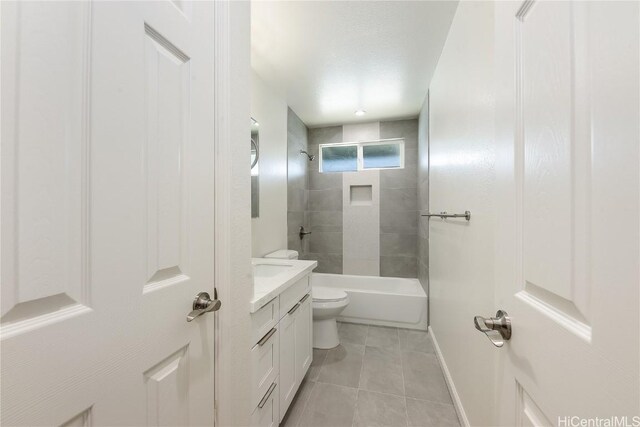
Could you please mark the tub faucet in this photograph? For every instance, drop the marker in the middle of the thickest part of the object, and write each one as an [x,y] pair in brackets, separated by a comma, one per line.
[303,233]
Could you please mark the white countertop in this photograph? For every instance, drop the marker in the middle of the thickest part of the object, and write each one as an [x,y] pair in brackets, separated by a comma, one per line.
[265,288]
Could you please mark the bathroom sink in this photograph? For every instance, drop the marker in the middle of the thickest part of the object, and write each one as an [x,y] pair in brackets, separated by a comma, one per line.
[270,270]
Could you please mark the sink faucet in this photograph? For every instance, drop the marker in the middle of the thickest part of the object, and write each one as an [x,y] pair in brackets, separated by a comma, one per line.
[303,233]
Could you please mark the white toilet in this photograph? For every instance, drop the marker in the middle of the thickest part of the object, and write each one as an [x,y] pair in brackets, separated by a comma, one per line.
[327,304]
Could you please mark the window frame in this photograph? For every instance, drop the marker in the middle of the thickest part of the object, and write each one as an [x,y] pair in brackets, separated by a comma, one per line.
[360,153]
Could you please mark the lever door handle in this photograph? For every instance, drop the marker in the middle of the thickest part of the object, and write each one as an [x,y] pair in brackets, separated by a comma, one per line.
[203,304]
[497,329]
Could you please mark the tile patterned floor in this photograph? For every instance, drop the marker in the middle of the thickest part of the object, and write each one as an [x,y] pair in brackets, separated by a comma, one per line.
[377,376]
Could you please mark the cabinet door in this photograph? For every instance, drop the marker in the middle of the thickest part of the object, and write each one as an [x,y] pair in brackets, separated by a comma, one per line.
[303,338]
[269,414]
[265,365]
[288,383]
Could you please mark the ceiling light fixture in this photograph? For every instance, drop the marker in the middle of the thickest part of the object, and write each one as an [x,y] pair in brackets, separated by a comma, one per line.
[360,113]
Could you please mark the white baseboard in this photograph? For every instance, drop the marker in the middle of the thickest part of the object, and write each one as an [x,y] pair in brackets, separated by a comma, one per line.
[457,403]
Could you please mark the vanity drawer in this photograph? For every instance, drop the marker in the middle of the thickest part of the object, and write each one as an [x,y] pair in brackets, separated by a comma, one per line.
[291,296]
[264,319]
[265,365]
[269,414]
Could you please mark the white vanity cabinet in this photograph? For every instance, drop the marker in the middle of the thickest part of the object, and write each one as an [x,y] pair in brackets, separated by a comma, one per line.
[304,344]
[282,351]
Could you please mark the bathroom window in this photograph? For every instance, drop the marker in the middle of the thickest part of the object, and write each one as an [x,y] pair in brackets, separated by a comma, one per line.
[356,156]
[339,158]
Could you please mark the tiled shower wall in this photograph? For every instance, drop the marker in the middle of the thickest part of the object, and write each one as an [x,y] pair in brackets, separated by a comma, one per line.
[399,205]
[324,209]
[423,195]
[297,179]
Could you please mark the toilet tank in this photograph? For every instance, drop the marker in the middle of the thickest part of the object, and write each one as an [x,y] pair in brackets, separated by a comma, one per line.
[283,254]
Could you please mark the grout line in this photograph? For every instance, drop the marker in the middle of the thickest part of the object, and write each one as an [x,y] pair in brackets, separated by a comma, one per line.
[304,407]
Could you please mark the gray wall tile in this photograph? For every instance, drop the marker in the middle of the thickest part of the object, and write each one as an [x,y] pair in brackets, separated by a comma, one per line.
[325,221]
[392,244]
[327,263]
[399,178]
[324,181]
[325,200]
[296,199]
[407,129]
[398,222]
[297,180]
[325,135]
[398,266]
[325,242]
[398,199]
[423,195]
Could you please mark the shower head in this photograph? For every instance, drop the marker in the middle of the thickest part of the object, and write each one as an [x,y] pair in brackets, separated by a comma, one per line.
[310,156]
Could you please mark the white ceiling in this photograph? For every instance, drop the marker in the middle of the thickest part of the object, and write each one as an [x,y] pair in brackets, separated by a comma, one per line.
[333,58]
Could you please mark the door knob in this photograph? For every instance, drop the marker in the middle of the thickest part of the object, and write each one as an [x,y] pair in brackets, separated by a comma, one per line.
[203,304]
[497,329]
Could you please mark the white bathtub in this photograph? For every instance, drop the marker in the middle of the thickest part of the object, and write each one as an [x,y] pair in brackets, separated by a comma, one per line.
[384,301]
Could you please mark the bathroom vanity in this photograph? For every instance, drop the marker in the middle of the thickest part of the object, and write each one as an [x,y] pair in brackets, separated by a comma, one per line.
[281,335]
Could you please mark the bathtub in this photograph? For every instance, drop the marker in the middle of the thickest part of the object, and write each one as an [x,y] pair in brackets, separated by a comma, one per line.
[383,301]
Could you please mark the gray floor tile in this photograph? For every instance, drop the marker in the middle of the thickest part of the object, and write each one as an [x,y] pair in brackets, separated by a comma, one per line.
[329,405]
[383,410]
[294,413]
[379,336]
[353,333]
[342,365]
[319,355]
[431,414]
[423,377]
[382,371]
[415,341]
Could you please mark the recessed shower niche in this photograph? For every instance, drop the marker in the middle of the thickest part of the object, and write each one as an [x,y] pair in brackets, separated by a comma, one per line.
[361,195]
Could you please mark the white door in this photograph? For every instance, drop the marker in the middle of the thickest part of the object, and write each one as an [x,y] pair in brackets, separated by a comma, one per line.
[567,260]
[107,213]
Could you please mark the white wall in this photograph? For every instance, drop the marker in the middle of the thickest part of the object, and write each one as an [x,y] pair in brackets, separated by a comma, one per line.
[461,265]
[268,107]
[233,264]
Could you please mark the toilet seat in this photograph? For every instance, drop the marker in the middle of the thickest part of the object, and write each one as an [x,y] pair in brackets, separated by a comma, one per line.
[324,294]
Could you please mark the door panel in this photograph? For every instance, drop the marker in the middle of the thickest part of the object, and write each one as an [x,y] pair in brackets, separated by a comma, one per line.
[567,253]
[554,112]
[167,101]
[303,339]
[107,213]
[168,391]
[287,380]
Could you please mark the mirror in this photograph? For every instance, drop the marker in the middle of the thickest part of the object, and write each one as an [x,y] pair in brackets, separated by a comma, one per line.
[255,172]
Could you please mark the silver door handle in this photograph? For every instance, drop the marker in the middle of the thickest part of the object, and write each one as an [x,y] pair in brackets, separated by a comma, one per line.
[497,329]
[203,304]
